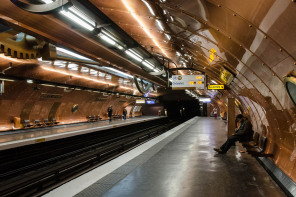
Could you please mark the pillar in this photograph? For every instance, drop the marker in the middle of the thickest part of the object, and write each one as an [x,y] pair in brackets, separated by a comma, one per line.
[230,116]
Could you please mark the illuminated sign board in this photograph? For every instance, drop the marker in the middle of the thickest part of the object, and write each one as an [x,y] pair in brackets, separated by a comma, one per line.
[140,101]
[150,102]
[215,87]
[181,82]
[226,76]
[205,100]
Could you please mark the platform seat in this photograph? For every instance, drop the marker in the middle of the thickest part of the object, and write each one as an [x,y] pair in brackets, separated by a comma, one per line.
[46,122]
[254,142]
[27,124]
[37,123]
[54,122]
[91,118]
[98,117]
[258,151]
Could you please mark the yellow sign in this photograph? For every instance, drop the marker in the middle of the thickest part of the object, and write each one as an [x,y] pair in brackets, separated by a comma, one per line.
[198,77]
[212,57]
[40,140]
[192,82]
[199,82]
[226,76]
[215,87]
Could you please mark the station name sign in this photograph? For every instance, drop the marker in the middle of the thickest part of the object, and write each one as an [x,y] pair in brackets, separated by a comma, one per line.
[180,82]
[215,87]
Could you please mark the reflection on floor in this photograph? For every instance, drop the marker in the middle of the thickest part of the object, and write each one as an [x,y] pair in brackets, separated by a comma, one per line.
[186,165]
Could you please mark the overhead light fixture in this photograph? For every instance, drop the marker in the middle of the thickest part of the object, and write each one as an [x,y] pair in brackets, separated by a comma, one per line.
[149,7]
[72,54]
[49,85]
[178,53]
[110,39]
[47,1]
[4,79]
[77,20]
[213,81]
[172,18]
[79,13]
[30,81]
[119,72]
[160,25]
[143,26]
[134,55]
[148,64]
[168,36]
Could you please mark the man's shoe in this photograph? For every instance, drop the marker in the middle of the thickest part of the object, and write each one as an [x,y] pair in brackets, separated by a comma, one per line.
[218,150]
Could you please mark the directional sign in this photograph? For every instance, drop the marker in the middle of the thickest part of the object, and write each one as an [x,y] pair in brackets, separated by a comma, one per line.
[187,82]
[215,87]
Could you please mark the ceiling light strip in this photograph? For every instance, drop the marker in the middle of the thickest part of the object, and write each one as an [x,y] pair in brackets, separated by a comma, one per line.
[143,26]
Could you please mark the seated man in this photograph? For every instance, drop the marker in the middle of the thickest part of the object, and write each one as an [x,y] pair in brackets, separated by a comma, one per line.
[243,133]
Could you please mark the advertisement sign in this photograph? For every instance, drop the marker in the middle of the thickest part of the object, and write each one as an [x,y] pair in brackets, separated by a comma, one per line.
[150,102]
[181,82]
[226,76]
[140,101]
[215,87]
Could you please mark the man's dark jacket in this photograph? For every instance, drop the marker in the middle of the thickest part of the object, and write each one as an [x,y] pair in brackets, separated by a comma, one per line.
[245,132]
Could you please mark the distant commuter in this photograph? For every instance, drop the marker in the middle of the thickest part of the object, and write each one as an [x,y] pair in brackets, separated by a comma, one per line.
[243,133]
[124,112]
[110,113]
[215,113]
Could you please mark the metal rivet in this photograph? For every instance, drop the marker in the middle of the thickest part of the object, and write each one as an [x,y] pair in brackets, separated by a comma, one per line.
[265,37]
[217,29]
[281,50]
[250,26]
[234,14]
[219,6]
[262,63]
[229,37]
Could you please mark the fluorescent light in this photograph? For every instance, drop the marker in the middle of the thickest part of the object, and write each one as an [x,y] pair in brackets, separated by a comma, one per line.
[148,64]
[178,53]
[84,70]
[172,19]
[77,20]
[164,12]
[82,15]
[73,66]
[149,7]
[118,71]
[107,39]
[134,55]
[47,1]
[168,36]
[30,81]
[3,79]
[143,26]
[213,81]
[159,25]
[72,53]
[48,85]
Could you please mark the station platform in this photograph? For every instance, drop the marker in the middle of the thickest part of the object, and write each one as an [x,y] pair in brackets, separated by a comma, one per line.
[13,139]
[180,162]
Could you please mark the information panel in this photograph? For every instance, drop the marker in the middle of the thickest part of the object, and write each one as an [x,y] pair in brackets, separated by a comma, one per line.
[215,87]
[180,82]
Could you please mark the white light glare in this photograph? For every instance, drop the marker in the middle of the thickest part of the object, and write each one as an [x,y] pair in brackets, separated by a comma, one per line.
[149,7]
[30,81]
[213,81]
[178,53]
[118,71]
[82,15]
[168,36]
[72,53]
[2,79]
[172,19]
[47,1]
[110,39]
[159,25]
[134,55]
[77,20]
[148,64]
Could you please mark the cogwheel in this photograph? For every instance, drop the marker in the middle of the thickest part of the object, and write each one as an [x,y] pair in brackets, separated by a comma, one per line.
[15,44]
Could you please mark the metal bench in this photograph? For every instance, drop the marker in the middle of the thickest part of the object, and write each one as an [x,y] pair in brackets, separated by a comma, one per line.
[27,124]
[253,142]
[46,122]
[37,123]
[258,151]
[54,122]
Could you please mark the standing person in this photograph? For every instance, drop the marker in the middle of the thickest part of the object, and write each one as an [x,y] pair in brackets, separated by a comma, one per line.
[215,113]
[110,113]
[243,133]
[124,112]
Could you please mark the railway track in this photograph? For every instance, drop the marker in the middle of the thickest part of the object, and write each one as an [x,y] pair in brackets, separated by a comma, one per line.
[36,169]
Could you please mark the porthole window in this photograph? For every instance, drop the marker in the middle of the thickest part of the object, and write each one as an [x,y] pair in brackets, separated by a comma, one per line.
[290,83]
